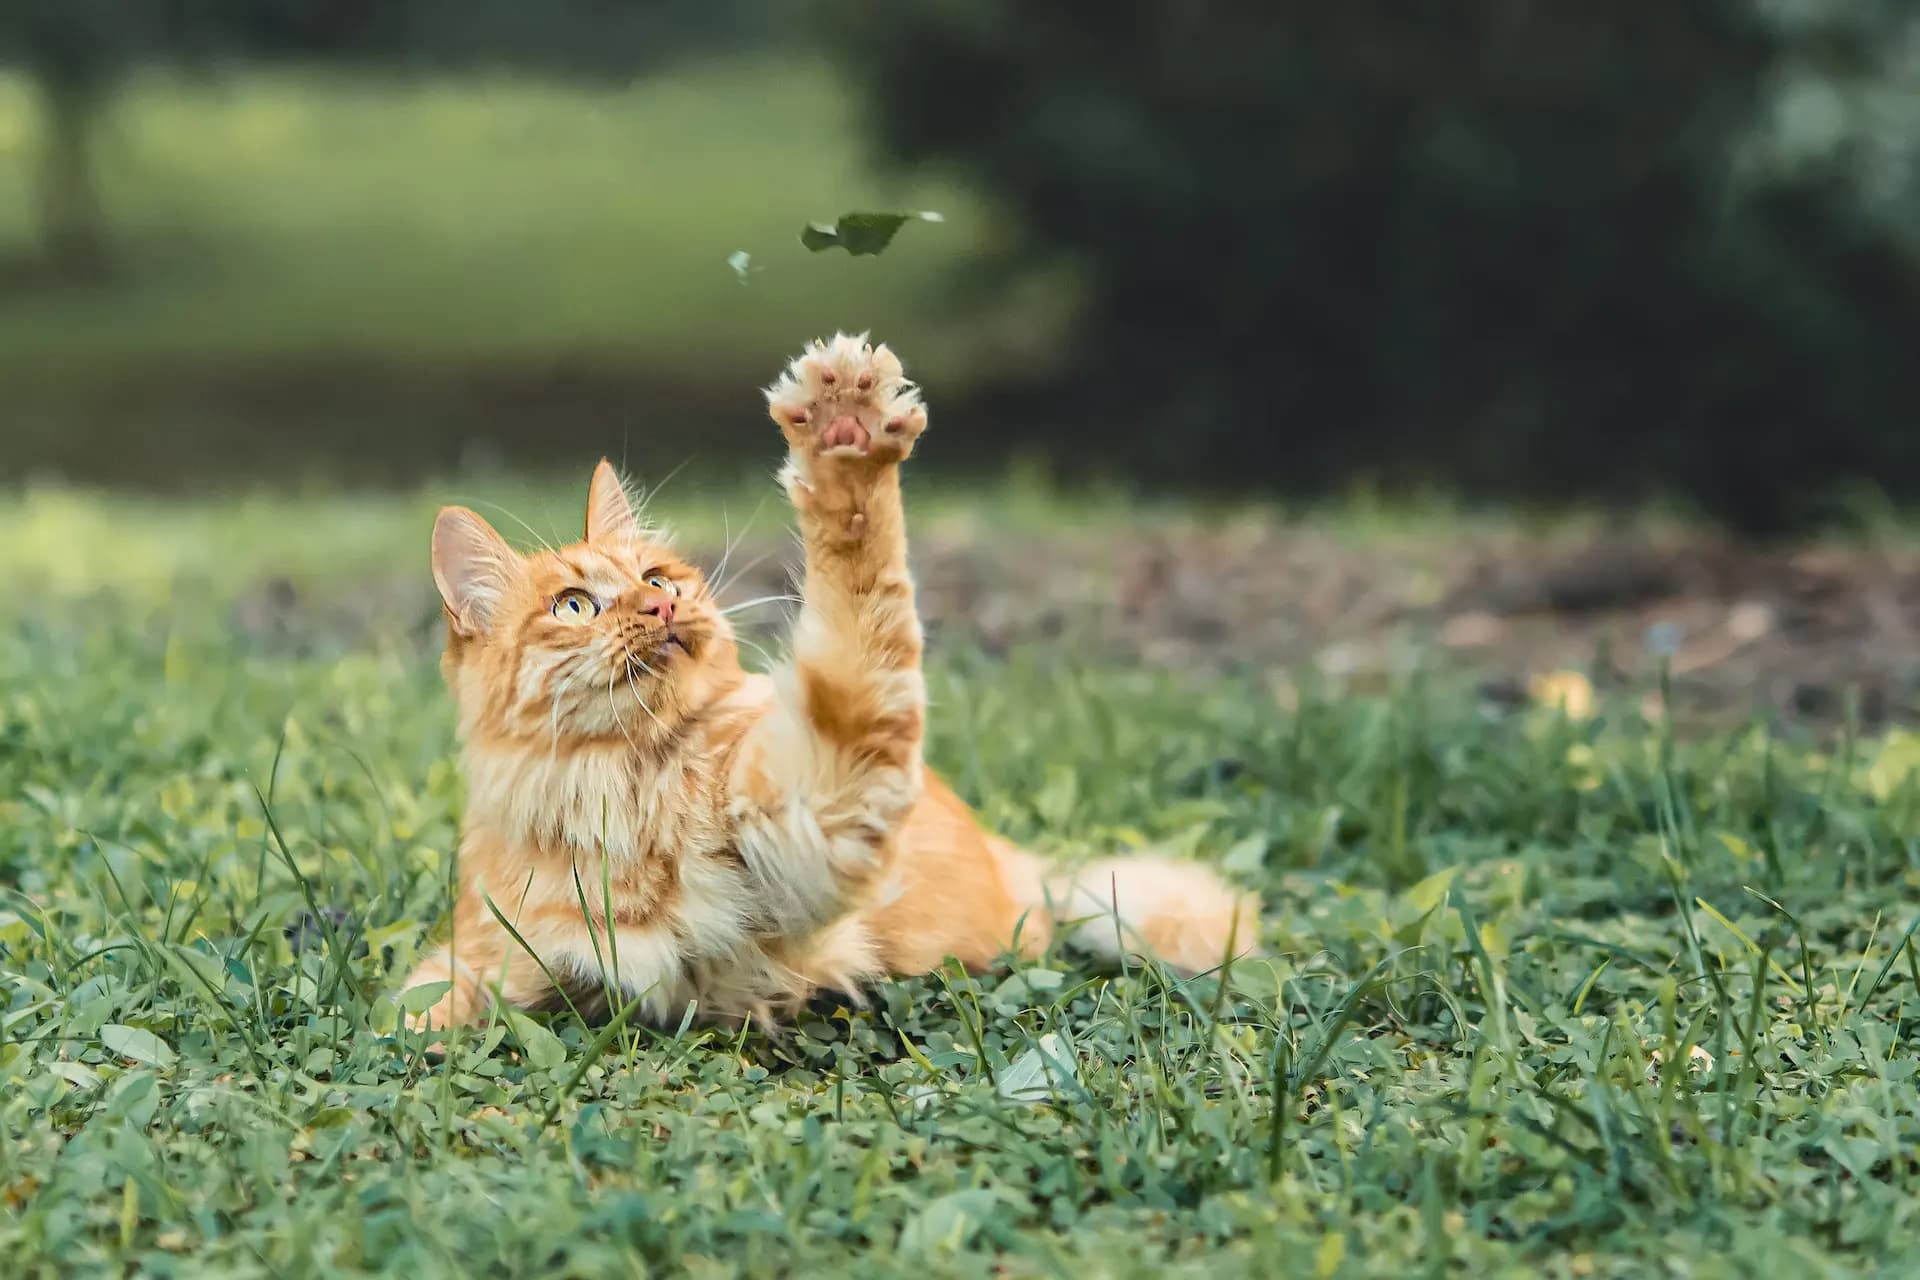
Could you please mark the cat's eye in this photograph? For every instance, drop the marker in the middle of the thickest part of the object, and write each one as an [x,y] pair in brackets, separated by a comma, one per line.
[667,585]
[575,607]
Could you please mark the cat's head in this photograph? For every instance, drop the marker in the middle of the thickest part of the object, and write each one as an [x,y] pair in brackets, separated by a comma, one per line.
[613,638]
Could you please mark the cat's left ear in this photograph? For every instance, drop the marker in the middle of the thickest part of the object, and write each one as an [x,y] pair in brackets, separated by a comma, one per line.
[610,515]
[472,566]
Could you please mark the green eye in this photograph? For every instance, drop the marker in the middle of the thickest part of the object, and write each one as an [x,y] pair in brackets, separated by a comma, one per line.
[667,585]
[575,607]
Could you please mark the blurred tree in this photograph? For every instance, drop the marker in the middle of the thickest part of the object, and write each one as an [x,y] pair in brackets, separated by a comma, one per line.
[1501,242]
[72,50]
[75,51]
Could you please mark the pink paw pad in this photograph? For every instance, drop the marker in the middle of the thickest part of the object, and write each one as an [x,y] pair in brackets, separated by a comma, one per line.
[845,430]
[849,398]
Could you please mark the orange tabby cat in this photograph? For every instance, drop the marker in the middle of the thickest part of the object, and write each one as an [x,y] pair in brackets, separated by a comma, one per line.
[658,825]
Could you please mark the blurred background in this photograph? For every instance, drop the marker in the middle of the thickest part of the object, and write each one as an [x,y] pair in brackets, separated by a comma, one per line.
[1621,258]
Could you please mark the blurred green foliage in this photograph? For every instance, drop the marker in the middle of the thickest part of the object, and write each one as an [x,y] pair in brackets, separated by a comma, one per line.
[371,274]
[1529,247]
[77,52]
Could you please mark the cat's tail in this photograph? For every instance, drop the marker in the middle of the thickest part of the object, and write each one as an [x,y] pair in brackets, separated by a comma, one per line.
[1181,913]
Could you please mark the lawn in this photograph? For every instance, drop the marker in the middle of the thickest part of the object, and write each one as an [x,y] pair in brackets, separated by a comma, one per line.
[1547,994]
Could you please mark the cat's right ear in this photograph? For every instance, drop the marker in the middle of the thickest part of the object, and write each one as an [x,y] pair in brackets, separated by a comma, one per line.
[472,566]
[610,513]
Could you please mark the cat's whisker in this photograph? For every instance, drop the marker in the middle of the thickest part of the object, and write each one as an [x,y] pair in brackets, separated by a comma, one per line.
[614,707]
[759,649]
[640,496]
[730,610]
[718,586]
[537,537]
[638,698]
[565,685]
[649,493]
[733,540]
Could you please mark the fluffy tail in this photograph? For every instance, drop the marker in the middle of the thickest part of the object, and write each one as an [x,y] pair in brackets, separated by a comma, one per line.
[1181,913]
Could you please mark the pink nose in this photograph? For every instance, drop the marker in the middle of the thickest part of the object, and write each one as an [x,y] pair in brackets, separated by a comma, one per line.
[661,607]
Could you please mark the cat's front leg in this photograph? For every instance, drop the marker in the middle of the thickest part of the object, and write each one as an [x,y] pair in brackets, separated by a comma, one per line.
[554,949]
[822,785]
[480,964]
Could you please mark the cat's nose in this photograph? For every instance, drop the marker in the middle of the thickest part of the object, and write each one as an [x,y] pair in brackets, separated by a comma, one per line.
[661,607]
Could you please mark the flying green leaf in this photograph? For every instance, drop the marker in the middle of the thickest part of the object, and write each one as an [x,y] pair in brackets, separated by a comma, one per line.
[861,233]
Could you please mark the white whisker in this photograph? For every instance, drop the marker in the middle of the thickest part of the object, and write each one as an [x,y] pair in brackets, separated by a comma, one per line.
[771,661]
[642,701]
[649,493]
[743,571]
[614,707]
[544,544]
[563,687]
[641,496]
[748,604]
[733,540]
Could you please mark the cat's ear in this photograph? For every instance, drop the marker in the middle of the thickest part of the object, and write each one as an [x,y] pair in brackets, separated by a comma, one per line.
[610,514]
[472,566]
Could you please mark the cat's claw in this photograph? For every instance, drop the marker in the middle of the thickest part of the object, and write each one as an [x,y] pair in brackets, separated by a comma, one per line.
[847,398]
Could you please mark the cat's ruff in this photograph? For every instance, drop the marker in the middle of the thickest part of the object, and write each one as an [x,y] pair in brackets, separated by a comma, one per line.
[656,823]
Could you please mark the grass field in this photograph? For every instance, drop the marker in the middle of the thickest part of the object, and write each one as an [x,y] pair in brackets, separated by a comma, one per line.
[1495,937]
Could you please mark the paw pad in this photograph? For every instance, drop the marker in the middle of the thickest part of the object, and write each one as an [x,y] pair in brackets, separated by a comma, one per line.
[848,398]
[845,431]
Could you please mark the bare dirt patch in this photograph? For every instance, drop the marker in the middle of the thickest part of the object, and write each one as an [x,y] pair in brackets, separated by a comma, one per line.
[1812,634]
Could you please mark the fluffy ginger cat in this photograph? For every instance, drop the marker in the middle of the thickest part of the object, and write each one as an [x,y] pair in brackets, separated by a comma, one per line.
[659,826]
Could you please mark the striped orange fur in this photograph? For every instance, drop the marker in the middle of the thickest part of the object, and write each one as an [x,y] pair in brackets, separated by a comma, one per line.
[657,824]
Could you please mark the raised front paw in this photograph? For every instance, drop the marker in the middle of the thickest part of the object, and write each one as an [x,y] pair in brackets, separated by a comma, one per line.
[847,398]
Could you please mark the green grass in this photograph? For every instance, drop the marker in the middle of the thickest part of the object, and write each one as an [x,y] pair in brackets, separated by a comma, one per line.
[219,847]
[149,553]
[273,216]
